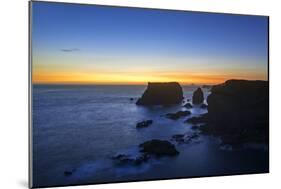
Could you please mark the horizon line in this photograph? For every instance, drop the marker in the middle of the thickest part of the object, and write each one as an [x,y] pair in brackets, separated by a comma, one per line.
[134,84]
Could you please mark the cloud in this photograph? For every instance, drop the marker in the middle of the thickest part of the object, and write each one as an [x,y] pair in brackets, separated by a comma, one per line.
[70,50]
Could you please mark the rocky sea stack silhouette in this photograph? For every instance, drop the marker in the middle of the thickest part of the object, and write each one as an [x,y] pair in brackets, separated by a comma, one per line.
[198,96]
[238,111]
[161,94]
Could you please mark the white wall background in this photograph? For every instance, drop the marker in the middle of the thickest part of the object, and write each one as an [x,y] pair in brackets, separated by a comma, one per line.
[14,92]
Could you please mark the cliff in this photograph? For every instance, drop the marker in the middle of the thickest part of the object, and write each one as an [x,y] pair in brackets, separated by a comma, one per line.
[238,111]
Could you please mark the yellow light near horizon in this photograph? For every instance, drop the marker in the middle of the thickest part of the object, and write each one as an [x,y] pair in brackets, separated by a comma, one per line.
[95,78]
[140,78]
[52,69]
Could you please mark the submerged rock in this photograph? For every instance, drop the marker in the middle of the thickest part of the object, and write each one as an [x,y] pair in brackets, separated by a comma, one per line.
[198,96]
[185,138]
[238,111]
[68,172]
[193,136]
[141,159]
[178,137]
[144,123]
[161,94]
[188,105]
[177,115]
[120,156]
[122,159]
[159,148]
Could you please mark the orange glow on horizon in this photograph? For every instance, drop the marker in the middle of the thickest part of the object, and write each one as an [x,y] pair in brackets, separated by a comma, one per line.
[137,78]
[139,71]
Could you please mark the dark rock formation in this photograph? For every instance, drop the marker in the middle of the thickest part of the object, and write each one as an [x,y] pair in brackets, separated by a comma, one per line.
[188,105]
[178,138]
[177,115]
[194,127]
[122,159]
[204,106]
[119,156]
[159,148]
[197,120]
[193,136]
[131,99]
[144,123]
[161,94]
[198,96]
[238,111]
[185,138]
[141,158]
[68,172]
[207,86]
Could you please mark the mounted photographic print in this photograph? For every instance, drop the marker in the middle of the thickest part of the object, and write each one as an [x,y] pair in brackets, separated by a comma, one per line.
[121,94]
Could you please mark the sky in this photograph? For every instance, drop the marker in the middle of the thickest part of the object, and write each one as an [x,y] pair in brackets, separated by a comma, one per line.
[82,44]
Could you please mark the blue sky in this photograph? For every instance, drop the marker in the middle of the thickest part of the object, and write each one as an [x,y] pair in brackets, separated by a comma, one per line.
[109,39]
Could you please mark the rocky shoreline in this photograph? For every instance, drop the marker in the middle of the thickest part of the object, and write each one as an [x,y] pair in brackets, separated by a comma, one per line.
[238,111]
[237,114]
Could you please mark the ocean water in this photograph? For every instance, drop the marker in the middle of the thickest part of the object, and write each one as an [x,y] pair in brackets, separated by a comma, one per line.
[79,129]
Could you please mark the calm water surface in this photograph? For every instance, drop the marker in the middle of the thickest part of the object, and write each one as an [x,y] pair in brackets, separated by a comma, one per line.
[80,127]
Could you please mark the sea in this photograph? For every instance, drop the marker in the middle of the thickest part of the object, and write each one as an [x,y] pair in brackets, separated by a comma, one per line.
[79,128]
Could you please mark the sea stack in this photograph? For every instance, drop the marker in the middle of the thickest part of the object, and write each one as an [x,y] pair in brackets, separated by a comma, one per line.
[238,111]
[161,94]
[198,96]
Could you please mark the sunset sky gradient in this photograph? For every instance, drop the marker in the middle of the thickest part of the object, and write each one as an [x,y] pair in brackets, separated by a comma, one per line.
[107,45]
